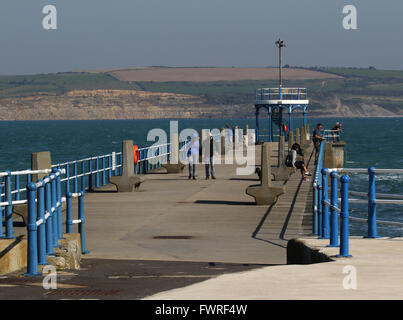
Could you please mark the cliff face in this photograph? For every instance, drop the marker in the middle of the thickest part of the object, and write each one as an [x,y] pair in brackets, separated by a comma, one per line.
[130,104]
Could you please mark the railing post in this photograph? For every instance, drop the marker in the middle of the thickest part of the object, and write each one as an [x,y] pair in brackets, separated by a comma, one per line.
[55,219]
[82,223]
[42,226]
[9,208]
[83,175]
[17,187]
[320,216]
[68,178]
[315,210]
[59,203]
[344,232]
[325,207]
[49,223]
[32,254]
[90,175]
[75,177]
[103,171]
[334,215]
[110,168]
[69,214]
[97,172]
[372,227]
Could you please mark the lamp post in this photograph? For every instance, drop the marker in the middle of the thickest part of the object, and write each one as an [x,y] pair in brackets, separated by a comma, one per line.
[280,44]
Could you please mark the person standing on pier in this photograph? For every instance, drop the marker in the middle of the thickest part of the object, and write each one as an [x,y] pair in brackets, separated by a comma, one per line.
[192,152]
[317,139]
[209,158]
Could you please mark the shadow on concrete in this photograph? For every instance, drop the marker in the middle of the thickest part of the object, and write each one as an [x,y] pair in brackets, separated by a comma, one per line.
[287,219]
[231,203]
[11,246]
[103,191]
[245,179]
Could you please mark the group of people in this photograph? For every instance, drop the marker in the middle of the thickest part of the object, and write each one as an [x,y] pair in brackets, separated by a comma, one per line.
[193,153]
[317,138]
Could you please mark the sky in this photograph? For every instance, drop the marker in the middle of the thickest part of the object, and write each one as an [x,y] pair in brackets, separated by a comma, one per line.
[99,34]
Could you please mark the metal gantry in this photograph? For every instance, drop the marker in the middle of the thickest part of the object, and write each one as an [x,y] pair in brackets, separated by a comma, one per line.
[276,100]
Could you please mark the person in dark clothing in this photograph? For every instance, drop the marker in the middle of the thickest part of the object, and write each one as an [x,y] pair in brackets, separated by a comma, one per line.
[336,132]
[317,139]
[210,158]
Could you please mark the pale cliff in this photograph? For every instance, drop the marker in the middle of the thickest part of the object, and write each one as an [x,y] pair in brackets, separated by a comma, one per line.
[131,104]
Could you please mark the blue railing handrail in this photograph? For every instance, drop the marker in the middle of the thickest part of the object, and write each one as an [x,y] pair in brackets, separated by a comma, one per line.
[317,184]
[45,223]
[331,224]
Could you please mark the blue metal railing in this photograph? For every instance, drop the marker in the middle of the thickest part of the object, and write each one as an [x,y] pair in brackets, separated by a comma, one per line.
[329,227]
[333,135]
[45,219]
[317,186]
[44,197]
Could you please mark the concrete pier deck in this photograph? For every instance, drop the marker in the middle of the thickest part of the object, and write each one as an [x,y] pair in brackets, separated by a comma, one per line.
[215,220]
[375,269]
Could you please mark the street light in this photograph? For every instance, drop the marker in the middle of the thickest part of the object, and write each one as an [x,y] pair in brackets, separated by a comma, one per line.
[280,44]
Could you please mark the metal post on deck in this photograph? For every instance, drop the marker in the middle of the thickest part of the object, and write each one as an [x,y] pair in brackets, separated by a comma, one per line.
[69,213]
[110,168]
[325,206]
[270,125]
[75,177]
[334,215]
[320,216]
[103,171]
[315,209]
[90,174]
[49,223]
[9,208]
[83,175]
[372,227]
[17,187]
[344,232]
[81,226]
[59,203]
[290,120]
[257,124]
[42,226]
[55,219]
[97,173]
[32,259]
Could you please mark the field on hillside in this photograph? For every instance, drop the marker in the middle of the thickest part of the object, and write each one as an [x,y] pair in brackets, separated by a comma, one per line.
[157,74]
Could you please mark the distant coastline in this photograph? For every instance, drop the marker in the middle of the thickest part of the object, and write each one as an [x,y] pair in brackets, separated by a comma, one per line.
[162,93]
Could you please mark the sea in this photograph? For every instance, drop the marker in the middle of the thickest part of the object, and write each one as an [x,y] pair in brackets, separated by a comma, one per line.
[370,142]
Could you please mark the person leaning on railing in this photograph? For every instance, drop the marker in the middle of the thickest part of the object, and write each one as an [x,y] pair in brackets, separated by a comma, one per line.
[317,138]
[336,132]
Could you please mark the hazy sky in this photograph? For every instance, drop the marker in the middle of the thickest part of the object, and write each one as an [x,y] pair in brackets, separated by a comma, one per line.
[94,34]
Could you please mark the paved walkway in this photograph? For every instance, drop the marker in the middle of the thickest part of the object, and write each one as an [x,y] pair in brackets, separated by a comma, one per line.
[217,220]
[175,232]
[376,269]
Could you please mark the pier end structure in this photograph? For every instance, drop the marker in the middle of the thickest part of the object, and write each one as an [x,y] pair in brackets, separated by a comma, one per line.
[267,192]
[128,181]
[334,154]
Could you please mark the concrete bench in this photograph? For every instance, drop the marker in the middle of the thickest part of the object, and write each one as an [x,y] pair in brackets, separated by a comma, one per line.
[267,192]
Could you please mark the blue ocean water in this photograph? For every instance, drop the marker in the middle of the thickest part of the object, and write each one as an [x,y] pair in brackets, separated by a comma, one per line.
[370,142]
